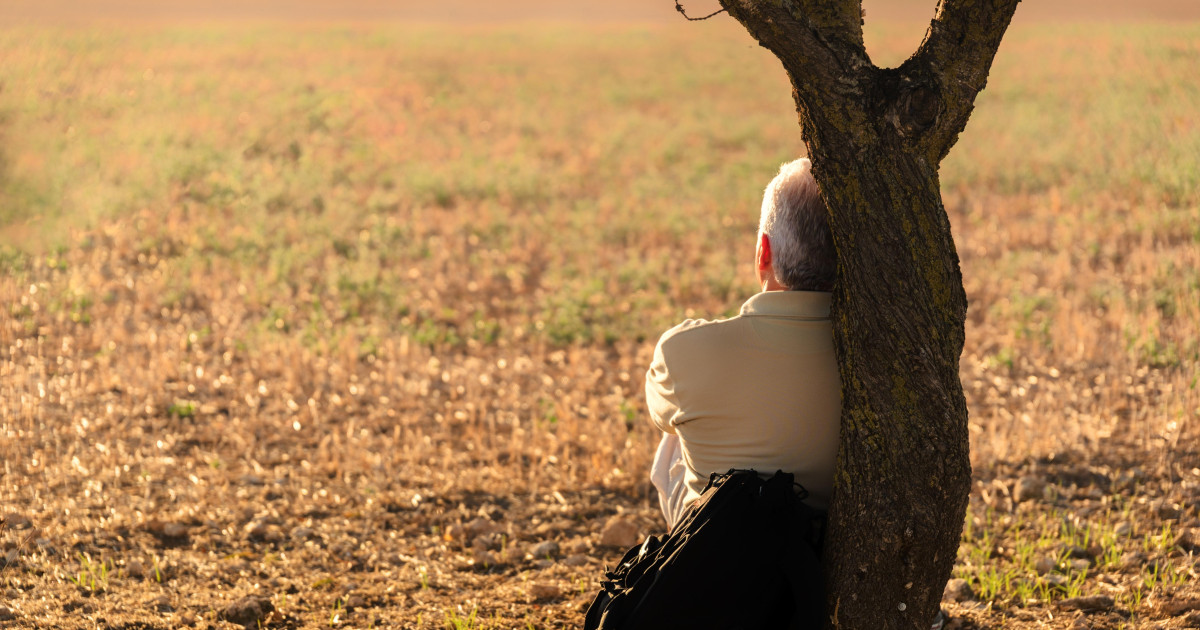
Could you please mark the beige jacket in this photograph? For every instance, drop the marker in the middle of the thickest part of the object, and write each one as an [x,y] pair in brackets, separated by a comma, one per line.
[760,390]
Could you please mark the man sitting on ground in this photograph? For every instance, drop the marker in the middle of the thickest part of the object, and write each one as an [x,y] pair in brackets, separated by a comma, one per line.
[761,390]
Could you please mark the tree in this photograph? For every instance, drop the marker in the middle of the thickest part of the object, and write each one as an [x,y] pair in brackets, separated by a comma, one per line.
[876,137]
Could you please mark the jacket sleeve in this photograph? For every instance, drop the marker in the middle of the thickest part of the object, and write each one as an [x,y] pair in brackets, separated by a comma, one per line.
[661,398]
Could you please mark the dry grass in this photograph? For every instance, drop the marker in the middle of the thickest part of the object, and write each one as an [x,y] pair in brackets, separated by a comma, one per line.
[353,318]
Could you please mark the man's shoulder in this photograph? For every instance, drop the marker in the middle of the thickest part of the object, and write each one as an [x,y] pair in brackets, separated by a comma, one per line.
[697,331]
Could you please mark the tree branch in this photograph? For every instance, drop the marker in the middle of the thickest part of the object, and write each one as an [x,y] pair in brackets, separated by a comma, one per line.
[683,12]
[818,40]
[959,48]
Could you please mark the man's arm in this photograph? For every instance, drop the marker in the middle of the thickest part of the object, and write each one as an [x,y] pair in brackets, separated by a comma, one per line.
[661,398]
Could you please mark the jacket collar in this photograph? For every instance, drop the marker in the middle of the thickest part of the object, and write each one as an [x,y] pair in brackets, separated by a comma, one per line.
[806,304]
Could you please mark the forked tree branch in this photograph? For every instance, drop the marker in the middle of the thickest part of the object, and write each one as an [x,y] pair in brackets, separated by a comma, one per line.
[817,40]
[958,50]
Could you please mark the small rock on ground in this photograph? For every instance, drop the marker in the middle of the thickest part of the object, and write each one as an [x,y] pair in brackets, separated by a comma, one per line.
[576,560]
[1179,606]
[619,532]
[480,527]
[485,557]
[958,590]
[544,591]
[1087,603]
[16,521]
[247,611]
[161,604]
[167,530]
[1028,488]
[6,614]
[135,569]
[1055,579]
[544,549]
[1079,565]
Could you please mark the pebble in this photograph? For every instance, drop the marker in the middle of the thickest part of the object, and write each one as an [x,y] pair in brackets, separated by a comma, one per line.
[262,532]
[1044,565]
[491,512]
[1075,551]
[1167,511]
[544,591]
[301,533]
[958,590]
[1179,606]
[17,521]
[7,614]
[247,611]
[251,480]
[512,553]
[135,569]
[576,560]
[1055,579]
[545,549]
[485,558]
[455,533]
[1132,558]
[619,532]
[161,604]
[480,527]
[1028,488]
[1188,540]
[1087,603]
[171,532]
[1079,564]
[79,606]
[1129,479]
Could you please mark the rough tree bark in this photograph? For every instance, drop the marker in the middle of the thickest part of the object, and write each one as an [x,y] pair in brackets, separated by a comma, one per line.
[876,138]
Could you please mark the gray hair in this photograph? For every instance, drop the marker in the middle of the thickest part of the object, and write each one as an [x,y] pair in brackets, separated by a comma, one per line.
[794,219]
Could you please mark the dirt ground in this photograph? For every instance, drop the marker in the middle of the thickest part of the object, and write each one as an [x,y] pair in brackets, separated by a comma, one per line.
[287,546]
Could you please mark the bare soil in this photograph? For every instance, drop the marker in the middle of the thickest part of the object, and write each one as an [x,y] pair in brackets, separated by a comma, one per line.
[284,545]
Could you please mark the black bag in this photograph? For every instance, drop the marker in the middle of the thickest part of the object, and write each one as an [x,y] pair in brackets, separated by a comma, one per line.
[745,555]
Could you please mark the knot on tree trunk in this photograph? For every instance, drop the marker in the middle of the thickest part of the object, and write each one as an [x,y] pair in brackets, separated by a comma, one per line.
[914,109]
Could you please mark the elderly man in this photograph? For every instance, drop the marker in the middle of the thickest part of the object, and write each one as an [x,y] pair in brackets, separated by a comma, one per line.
[758,391]
[761,390]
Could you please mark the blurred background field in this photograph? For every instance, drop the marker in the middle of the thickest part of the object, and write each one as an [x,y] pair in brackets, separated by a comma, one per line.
[370,279]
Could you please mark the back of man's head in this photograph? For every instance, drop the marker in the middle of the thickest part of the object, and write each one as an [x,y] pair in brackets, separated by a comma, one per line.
[795,221]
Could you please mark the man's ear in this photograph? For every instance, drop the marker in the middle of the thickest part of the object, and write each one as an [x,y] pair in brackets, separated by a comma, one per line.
[763,259]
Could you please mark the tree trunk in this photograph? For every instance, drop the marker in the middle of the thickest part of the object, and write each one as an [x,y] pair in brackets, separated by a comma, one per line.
[876,138]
